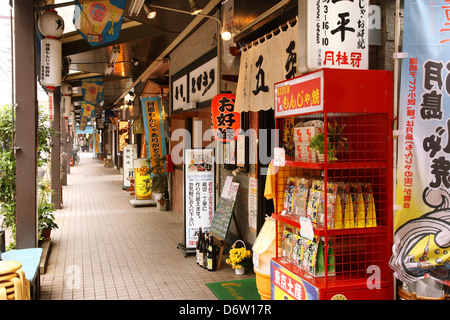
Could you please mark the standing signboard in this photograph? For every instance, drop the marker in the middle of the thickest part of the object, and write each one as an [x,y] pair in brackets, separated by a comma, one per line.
[199,191]
[129,154]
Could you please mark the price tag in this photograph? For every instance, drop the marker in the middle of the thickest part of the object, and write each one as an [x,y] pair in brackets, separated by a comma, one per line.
[279,157]
[306,228]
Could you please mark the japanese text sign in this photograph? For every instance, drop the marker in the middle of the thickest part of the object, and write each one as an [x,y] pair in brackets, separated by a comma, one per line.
[199,193]
[224,121]
[154,129]
[99,21]
[299,95]
[422,225]
[337,34]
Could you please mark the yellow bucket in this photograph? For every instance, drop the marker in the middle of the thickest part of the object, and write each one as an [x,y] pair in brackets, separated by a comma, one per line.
[263,285]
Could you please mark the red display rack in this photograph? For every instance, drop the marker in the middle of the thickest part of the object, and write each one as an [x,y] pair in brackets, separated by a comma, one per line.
[354,234]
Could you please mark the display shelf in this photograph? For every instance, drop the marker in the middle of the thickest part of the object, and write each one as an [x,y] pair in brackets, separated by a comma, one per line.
[321,231]
[337,164]
[348,199]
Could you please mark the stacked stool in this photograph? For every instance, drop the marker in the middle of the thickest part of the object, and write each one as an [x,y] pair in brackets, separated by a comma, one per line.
[13,284]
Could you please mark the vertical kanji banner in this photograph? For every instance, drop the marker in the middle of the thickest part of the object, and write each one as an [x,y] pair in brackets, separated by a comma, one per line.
[153,128]
[422,225]
[99,21]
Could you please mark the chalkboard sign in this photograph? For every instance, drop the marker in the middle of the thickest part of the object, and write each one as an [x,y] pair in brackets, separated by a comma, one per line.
[222,217]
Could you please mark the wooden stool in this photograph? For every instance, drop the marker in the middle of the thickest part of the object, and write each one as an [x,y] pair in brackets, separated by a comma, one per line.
[107,162]
[13,284]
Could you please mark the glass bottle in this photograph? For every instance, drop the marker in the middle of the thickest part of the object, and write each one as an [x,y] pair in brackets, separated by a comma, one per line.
[199,241]
[205,251]
[212,259]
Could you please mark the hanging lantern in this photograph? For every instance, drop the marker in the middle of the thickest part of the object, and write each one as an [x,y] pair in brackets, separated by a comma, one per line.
[51,25]
[66,90]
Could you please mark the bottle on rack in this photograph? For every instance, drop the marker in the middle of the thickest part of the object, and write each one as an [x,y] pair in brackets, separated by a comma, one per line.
[205,252]
[212,261]
[199,242]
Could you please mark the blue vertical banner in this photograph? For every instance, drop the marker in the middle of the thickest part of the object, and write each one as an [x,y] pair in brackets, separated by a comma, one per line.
[422,221]
[154,128]
[99,21]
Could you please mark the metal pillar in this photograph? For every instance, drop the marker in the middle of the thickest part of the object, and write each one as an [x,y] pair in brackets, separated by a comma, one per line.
[56,152]
[26,124]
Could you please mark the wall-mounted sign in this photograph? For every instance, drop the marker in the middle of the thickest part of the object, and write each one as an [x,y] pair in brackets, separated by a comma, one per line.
[224,121]
[198,84]
[180,94]
[336,34]
[300,95]
[199,193]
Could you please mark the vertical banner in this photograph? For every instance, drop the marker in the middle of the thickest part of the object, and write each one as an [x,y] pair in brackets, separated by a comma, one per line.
[124,134]
[96,143]
[198,193]
[154,128]
[99,21]
[422,225]
[129,154]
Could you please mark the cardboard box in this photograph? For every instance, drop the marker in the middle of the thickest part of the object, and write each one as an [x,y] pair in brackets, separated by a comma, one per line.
[303,134]
[304,153]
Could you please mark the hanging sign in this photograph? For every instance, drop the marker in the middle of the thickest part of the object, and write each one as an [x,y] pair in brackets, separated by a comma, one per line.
[124,134]
[180,94]
[51,110]
[129,154]
[92,90]
[337,34]
[264,64]
[154,128]
[224,121]
[87,110]
[99,21]
[299,95]
[199,193]
[422,225]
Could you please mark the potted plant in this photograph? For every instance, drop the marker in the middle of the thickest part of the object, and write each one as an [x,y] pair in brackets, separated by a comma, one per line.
[335,142]
[239,258]
[46,219]
[159,183]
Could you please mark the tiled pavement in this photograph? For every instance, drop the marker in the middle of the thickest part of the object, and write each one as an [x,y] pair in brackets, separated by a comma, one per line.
[106,249]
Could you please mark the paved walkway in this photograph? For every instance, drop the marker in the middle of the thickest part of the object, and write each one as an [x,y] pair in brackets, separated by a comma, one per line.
[106,249]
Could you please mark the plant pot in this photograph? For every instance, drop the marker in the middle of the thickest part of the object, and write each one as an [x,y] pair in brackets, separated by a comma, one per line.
[240,271]
[161,203]
[46,233]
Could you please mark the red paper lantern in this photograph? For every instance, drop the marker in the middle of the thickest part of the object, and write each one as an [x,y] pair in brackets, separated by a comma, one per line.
[224,121]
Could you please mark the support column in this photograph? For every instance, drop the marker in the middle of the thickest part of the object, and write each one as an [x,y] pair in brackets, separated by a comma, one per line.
[63,136]
[56,153]
[26,124]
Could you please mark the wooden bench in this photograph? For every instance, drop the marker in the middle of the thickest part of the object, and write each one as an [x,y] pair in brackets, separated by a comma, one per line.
[30,260]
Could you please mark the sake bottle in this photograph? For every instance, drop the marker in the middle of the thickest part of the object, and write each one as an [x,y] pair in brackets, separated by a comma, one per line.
[205,252]
[212,262]
[201,250]
[199,241]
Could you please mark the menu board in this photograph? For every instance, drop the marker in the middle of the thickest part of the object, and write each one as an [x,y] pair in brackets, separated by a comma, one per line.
[129,154]
[222,217]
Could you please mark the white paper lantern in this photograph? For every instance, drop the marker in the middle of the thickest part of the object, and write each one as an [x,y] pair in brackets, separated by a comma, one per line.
[66,89]
[50,24]
[66,105]
[51,60]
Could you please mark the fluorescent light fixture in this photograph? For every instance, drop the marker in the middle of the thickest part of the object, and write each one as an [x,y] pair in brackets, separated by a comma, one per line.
[108,70]
[135,7]
[151,14]
[114,55]
[194,7]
